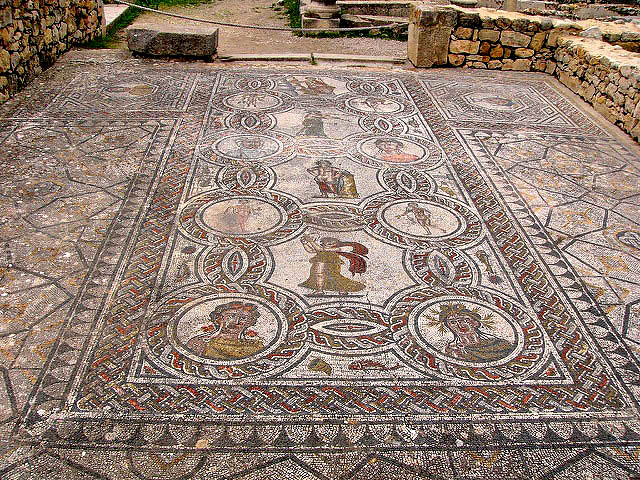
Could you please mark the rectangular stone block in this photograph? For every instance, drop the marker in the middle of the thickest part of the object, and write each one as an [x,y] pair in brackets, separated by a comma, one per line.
[428,47]
[490,35]
[464,46]
[430,31]
[172,41]
[514,39]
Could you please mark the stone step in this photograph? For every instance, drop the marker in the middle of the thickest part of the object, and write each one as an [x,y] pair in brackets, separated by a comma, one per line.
[319,58]
[267,57]
[374,21]
[172,40]
[393,8]
[113,12]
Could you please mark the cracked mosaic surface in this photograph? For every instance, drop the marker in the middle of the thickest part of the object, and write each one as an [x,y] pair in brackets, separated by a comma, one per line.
[315,274]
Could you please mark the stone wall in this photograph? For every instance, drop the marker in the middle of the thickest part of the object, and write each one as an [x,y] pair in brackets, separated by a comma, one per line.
[34,33]
[607,76]
[484,38]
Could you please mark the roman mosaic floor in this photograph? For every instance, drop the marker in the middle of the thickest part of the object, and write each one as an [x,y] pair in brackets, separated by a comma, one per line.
[305,273]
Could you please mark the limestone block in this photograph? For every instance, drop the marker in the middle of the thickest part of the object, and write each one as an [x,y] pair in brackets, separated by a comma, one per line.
[456,60]
[537,41]
[430,31]
[521,65]
[173,40]
[485,47]
[514,39]
[5,61]
[511,5]
[463,33]
[494,64]
[490,35]
[496,52]
[464,46]
[524,52]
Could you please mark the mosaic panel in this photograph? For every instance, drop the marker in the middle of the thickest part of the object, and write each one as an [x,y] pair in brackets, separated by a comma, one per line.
[325,262]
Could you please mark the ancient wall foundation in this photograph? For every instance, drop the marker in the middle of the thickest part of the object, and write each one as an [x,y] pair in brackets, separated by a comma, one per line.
[605,75]
[34,33]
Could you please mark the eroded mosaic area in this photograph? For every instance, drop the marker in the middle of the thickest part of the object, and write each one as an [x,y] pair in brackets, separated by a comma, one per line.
[322,261]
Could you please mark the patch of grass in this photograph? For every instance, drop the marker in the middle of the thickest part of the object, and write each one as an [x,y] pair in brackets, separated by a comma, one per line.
[110,38]
[292,10]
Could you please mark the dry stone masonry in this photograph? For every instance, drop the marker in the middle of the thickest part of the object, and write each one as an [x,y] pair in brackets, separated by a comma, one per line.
[34,33]
[607,76]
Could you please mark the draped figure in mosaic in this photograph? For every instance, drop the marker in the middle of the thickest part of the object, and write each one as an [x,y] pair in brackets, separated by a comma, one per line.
[229,335]
[325,273]
[333,180]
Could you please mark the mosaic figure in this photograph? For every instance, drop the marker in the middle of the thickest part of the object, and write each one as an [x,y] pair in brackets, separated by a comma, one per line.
[312,125]
[311,86]
[335,181]
[469,342]
[228,336]
[326,265]
[250,100]
[236,216]
[421,216]
[391,150]
[377,105]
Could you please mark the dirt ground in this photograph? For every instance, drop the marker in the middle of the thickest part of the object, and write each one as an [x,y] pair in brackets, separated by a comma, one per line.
[260,12]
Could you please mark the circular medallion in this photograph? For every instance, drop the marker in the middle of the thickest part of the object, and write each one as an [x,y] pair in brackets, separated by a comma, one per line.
[433,220]
[200,334]
[380,105]
[227,329]
[247,147]
[466,331]
[421,219]
[223,146]
[386,151]
[240,216]
[371,104]
[216,217]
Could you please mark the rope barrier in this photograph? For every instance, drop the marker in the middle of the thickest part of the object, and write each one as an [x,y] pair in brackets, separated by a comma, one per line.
[263,27]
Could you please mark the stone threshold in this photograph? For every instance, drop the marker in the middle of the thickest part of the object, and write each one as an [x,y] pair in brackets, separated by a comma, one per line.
[113,12]
[313,58]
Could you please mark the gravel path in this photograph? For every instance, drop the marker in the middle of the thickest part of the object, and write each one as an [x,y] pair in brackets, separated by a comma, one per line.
[260,12]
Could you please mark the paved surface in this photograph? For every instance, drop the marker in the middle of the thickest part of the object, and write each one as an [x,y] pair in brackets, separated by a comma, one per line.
[216,272]
[112,12]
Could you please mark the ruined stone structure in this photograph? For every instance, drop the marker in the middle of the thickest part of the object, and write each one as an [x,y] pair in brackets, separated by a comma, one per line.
[34,33]
[605,75]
